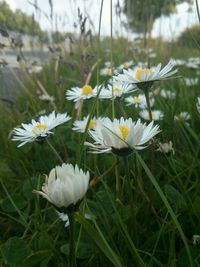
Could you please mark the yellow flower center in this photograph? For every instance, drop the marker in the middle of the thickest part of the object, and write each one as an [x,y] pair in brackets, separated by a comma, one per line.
[116,90]
[139,72]
[109,71]
[39,127]
[86,90]
[124,131]
[92,124]
[137,99]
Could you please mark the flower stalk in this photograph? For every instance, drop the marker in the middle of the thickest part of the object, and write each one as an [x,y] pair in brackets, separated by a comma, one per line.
[72,251]
[54,151]
[146,93]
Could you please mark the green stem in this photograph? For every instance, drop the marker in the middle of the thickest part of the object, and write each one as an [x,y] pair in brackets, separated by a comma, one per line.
[111,58]
[127,170]
[99,52]
[197,6]
[146,93]
[54,151]
[72,253]
[117,177]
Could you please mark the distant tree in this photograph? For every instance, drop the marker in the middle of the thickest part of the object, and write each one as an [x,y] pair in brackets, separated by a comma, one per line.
[19,21]
[141,14]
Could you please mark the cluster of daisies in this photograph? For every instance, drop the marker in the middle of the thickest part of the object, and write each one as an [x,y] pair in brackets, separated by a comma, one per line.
[109,135]
[66,185]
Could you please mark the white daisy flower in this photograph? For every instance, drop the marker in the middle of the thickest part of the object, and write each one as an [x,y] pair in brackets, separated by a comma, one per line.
[121,136]
[77,93]
[166,147]
[192,65]
[183,116]
[141,75]
[116,89]
[37,129]
[66,185]
[107,71]
[196,240]
[179,62]
[139,101]
[156,115]
[125,65]
[198,104]
[47,98]
[63,217]
[167,94]
[80,125]
[191,81]
[34,68]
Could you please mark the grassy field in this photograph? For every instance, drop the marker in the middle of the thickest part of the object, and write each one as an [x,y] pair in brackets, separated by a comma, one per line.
[140,210]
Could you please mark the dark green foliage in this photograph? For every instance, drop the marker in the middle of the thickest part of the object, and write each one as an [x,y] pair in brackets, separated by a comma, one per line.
[142,14]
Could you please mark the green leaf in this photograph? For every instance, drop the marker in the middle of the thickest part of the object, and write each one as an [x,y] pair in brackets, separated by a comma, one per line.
[99,240]
[85,250]
[14,251]
[167,205]
[19,201]
[28,187]
[65,249]
[36,258]
[175,197]
[195,205]
[5,171]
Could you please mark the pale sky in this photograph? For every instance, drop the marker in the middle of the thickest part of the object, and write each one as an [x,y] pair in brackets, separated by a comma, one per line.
[66,10]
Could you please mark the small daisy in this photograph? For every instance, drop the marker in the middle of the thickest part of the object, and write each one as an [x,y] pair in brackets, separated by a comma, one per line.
[139,101]
[191,81]
[65,186]
[116,89]
[156,115]
[121,136]
[125,65]
[36,130]
[80,125]
[166,147]
[108,71]
[77,93]
[192,65]
[198,104]
[183,116]
[179,62]
[196,240]
[139,76]
[167,94]
[46,98]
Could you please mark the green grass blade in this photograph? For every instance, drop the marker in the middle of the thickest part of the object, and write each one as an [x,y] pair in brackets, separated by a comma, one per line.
[167,205]
[99,240]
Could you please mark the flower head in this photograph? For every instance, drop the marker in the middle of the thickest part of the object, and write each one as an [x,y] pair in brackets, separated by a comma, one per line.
[166,147]
[80,125]
[77,93]
[139,101]
[141,75]
[191,81]
[156,115]
[198,104]
[168,94]
[121,136]
[37,129]
[66,185]
[182,116]
[116,89]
